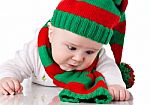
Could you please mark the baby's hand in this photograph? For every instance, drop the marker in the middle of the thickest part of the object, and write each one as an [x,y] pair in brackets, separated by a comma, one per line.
[10,85]
[119,93]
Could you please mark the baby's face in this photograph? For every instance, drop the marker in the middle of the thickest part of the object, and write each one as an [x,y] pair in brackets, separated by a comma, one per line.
[71,51]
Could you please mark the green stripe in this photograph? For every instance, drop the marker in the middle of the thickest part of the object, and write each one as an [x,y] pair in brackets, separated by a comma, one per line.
[69,96]
[123,18]
[105,4]
[117,38]
[45,56]
[79,77]
[81,26]
[118,2]
[99,79]
[74,76]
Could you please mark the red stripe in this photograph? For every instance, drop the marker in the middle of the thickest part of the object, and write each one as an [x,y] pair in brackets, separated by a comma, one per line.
[117,52]
[43,37]
[123,5]
[81,87]
[95,75]
[72,86]
[53,70]
[90,12]
[121,27]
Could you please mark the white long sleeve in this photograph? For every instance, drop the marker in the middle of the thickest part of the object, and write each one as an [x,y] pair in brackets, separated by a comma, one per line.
[109,69]
[22,65]
[28,64]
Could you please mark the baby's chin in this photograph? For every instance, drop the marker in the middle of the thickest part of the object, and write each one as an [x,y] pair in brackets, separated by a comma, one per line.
[70,69]
[66,69]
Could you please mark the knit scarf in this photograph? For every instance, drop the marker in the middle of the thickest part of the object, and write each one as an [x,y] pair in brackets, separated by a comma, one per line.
[78,86]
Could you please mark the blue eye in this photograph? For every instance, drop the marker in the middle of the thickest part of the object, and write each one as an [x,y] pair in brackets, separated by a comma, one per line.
[71,48]
[89,52]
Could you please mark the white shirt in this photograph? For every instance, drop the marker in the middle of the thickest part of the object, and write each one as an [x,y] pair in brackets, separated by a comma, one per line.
[27,64]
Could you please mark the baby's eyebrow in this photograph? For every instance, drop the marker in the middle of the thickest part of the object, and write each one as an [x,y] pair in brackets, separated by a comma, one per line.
[81,46]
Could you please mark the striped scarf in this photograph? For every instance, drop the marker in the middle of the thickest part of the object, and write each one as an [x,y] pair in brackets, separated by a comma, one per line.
[78,86]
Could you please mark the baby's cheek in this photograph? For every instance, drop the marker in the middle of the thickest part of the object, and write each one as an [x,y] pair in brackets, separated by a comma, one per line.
[58,57]
[84,66]
[59,60]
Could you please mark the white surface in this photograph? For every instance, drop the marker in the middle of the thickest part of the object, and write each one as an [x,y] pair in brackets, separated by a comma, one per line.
[19,19]
[34,94]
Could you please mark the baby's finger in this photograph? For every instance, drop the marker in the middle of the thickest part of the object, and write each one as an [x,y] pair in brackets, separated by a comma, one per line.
[3,91]
[116,93]
[20,90]
[127,95]
[11,85]
[7,88]
[16,84]
[122,94]
[111,92]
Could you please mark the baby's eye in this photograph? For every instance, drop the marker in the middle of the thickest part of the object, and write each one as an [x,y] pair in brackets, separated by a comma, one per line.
[89,52]
[71,48]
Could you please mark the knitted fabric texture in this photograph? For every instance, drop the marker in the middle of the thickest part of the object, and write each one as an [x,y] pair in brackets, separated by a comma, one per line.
[91,84]
[93,19]
[103,21]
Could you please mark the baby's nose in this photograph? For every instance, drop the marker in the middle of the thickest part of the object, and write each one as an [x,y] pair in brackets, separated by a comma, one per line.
[78,57]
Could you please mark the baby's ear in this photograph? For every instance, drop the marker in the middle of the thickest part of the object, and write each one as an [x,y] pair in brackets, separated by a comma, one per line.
[49,25]
[50,31]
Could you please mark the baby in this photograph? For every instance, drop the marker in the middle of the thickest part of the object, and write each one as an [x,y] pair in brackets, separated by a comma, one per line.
[76,33]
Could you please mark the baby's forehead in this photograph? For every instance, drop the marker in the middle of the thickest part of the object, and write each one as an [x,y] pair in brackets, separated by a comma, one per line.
[75,39]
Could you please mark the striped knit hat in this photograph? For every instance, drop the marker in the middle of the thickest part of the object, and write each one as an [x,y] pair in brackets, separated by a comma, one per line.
[100,20]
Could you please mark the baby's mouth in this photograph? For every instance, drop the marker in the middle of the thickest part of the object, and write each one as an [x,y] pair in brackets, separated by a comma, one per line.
[72,66]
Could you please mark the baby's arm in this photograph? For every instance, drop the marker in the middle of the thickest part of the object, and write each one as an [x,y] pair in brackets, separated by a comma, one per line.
[14,71]
[113,77]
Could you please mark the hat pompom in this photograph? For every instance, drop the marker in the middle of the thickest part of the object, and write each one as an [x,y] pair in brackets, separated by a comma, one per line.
[127,74]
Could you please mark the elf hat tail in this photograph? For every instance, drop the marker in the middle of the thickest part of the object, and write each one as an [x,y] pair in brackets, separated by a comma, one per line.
[117,42]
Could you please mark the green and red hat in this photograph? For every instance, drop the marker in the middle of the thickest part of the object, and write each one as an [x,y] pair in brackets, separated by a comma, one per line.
[102,21]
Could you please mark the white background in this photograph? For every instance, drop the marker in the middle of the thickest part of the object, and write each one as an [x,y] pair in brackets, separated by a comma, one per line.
[20,19]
